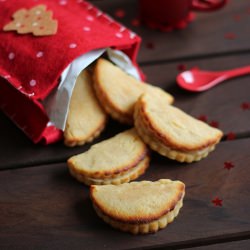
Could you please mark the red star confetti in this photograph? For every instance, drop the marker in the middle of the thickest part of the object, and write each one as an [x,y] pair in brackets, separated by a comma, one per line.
[191,16]
[230,36]
[214,124]
[217,202]
[120,13]
[181,67]
[236,18]
[202,118]
[195,68]
[181,25]
[228,165]
[150,45]
[230,136]
[135,22]
[245,105]
[166,28]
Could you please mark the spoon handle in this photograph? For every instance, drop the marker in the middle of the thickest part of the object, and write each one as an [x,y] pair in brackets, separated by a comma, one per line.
[237,72]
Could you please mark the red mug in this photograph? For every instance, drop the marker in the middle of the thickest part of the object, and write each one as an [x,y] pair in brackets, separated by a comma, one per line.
[170,14]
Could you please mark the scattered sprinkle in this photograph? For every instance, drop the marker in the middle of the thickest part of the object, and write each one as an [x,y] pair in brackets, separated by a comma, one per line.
[245,105]
[214,124]
[181,67]
[203,118]
[230,136]
[135,22]
[150,45]
[228,165]
[120,13]
[217,202]
[230,36]
[237,18]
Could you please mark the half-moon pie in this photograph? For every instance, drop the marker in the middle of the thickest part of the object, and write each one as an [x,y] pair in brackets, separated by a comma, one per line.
[118,92]
[173,133]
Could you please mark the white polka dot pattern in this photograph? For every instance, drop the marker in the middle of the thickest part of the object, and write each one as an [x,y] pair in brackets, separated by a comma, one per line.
[32,83]
[39,54]
[72,45]
[11,55]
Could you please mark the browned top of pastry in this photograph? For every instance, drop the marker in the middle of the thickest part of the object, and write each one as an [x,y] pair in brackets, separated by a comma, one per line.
[173,127]
[138,202]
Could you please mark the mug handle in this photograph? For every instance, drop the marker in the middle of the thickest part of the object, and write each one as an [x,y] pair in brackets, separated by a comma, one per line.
[207,5]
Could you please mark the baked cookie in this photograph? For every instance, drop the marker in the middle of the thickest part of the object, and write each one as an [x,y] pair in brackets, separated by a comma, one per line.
[86,119]
[139,207]
[118,92]
[173,133]
[119,159]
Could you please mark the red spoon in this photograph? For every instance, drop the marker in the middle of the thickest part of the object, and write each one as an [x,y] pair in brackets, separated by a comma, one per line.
[199,80]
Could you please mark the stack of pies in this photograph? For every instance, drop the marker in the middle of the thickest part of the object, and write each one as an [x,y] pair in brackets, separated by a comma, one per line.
[136,207]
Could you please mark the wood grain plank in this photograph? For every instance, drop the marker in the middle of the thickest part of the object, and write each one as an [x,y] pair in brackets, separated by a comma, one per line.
[205,36]
[243,244]
[44,207]
[19,151]
[221,104]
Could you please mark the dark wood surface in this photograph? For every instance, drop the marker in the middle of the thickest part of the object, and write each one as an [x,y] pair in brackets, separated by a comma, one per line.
[43,207]
[45,202]
[243,244]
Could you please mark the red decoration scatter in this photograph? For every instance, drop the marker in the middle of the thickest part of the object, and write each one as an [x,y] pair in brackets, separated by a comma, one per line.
[202,118]
[191,16]
[120,13]
[135,22]
[166,28]
[217,202]
[231,136]
[150,45]
[181,25]
[181,67]
[151,25]
[230,36]
[195,68]
[228,165]
[245,105]
[236,18]
[214,124]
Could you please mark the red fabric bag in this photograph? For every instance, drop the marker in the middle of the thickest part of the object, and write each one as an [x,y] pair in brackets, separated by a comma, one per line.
[30,66]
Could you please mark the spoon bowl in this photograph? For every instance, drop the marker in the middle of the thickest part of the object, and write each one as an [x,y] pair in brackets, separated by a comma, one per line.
[200,80]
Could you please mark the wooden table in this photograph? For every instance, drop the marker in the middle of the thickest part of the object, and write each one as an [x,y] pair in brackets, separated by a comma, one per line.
[43,207]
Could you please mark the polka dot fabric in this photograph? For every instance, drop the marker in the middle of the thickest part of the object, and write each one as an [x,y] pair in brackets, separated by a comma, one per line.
[34,64]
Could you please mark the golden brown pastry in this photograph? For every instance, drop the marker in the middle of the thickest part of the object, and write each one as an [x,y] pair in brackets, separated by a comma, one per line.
[119,159]
[118,92]
[139,207]
[173,133]
[86,119]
